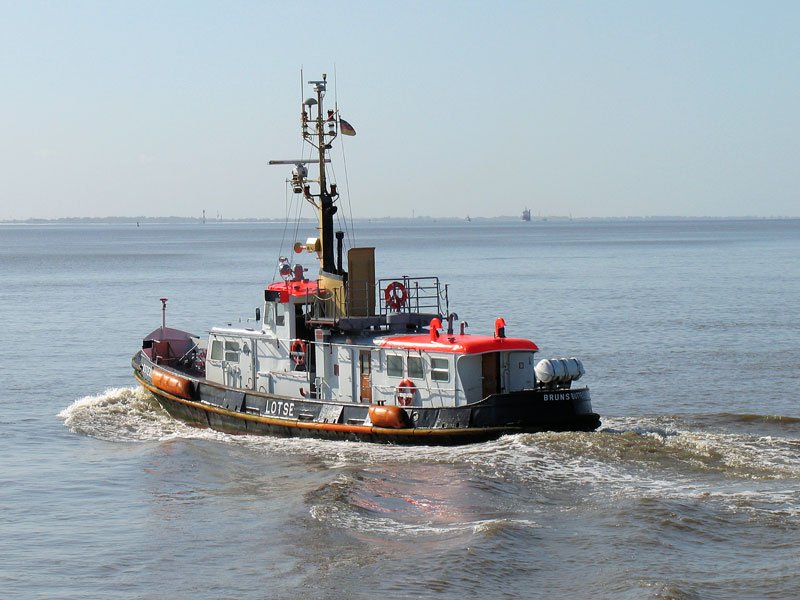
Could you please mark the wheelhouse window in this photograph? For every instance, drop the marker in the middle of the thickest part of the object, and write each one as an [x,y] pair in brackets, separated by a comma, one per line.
[216,350]
[440,369]
[280,312]
[415,369]
[269,316]
[394,366]
[231,351]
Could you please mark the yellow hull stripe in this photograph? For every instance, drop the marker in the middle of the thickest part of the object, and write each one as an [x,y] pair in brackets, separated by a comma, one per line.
[360,429]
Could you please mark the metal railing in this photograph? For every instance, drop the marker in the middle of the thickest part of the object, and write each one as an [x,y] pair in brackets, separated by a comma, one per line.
[396,295]
[411,295]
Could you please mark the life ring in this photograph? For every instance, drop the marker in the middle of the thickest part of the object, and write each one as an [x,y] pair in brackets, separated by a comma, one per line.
[396,295]
[297,350]
[405,392]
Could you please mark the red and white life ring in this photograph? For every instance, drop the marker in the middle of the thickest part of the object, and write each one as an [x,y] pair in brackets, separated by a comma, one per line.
[395,295]
[297,350]
[405,392]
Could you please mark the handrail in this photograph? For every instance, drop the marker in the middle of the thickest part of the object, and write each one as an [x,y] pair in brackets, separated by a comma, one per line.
[423,294]
[418,295]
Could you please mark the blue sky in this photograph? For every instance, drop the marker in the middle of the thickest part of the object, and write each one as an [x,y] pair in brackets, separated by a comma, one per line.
[585,108]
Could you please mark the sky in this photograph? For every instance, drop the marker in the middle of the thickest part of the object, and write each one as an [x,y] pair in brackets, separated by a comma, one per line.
[589,109]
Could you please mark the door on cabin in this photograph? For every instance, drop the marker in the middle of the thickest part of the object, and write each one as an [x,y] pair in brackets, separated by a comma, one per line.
[490,371]
[345,369]
[365,368]
[520,367]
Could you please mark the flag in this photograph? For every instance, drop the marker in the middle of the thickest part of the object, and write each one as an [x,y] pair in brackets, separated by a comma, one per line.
[346,128]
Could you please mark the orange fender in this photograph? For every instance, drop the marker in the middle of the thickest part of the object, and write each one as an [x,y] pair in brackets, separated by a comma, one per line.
[175,385]
[390,417]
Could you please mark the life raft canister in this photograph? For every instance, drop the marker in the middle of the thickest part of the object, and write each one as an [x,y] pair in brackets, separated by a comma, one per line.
[395,295]
[297,350]
[405,392]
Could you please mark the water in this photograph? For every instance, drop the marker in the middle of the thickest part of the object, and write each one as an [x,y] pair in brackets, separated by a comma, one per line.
[689,331]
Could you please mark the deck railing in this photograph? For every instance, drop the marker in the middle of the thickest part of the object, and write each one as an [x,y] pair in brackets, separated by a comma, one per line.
[422,295]
[396,295]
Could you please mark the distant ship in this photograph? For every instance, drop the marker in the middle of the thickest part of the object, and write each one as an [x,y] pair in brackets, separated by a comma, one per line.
[526,214]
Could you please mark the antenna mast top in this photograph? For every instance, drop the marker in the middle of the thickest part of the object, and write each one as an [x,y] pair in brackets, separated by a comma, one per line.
[319,130]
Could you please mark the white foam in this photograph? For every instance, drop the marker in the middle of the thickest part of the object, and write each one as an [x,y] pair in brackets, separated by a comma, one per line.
[629,457]
[127,414]
[341,515]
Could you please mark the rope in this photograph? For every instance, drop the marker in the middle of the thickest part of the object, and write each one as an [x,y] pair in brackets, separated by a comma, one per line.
[347,187]
[339,218]
[343,221]
[285,225]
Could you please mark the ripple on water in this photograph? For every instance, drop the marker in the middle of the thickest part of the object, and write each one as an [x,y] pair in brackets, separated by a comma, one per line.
[405,504]
[444,491]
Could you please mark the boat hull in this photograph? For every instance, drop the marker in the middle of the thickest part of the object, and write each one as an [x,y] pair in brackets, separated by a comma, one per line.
[239,411]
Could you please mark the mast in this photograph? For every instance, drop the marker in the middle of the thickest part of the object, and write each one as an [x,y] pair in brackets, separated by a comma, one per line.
[321,138]
[318,130]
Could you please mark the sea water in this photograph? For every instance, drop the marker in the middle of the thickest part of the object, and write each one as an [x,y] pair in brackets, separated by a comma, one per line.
[689,331]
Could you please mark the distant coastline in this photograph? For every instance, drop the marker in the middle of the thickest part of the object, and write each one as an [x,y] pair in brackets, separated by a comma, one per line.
[545,219]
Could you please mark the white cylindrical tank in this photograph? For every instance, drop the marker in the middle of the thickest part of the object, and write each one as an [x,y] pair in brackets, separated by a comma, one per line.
[559,370]
[544,371]
[574,368]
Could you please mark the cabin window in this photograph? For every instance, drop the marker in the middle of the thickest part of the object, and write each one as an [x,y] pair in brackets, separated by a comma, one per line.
[216,350]
[232,351]
[269,316]
[280,312]
[415,367]
[440,369]
[394,366]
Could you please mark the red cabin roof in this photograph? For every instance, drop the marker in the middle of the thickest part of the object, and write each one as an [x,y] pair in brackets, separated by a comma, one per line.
[460,344]
[296,289]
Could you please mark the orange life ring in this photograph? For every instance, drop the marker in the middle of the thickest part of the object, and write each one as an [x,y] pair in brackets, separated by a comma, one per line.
[405,392]
[396,295]
[297,350]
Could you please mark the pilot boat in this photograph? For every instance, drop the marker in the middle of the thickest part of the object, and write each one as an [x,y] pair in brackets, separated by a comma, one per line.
[347,356]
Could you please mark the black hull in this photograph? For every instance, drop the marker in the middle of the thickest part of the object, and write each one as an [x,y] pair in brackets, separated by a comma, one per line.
[252,413]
